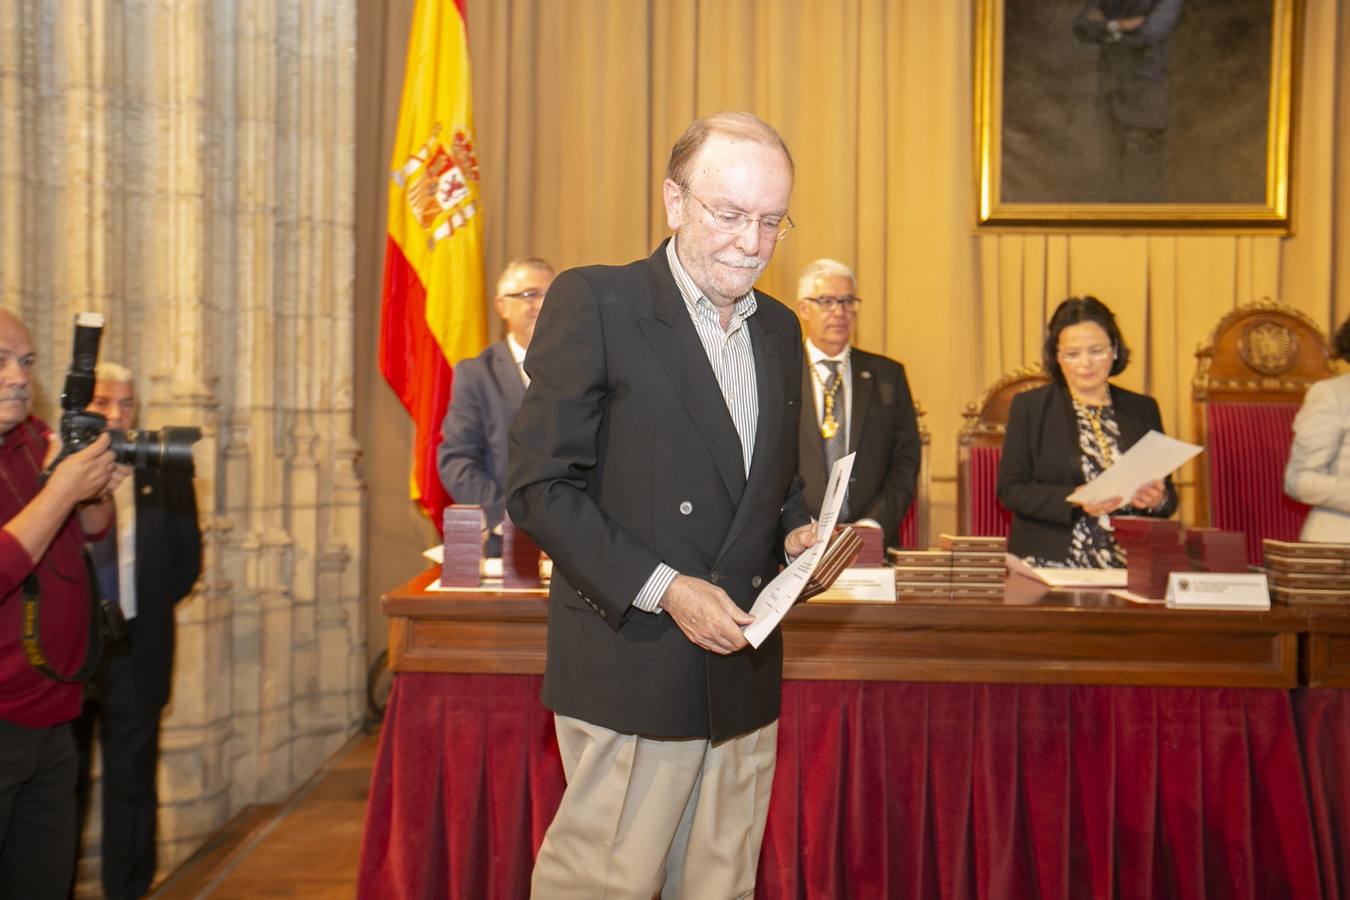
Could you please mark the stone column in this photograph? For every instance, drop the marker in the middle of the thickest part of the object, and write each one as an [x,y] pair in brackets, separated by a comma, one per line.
[186,168]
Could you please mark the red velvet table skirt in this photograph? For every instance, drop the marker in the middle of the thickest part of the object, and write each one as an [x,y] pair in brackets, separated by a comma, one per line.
[907,790]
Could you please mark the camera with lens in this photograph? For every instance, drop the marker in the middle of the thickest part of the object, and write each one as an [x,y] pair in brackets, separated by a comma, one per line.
[169,449]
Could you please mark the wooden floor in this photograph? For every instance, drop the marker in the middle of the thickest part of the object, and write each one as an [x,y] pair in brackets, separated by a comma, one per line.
[308,846]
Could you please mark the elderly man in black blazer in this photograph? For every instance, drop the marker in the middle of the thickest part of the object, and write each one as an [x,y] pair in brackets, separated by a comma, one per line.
[148,562]
[485,398]
[654,459]
[853,400]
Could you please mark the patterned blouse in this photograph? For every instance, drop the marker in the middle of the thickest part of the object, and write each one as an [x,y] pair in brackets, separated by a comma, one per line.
[1092,546]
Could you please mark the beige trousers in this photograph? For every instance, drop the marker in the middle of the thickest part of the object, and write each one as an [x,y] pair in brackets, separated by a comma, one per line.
[642,816]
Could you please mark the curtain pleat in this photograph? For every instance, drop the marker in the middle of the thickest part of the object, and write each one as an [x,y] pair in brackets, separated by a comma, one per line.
[1324,729]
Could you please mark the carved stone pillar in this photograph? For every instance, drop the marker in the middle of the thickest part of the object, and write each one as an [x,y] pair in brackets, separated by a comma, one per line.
[187,168]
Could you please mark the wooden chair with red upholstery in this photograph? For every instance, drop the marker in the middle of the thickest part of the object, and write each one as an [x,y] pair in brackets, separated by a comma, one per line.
[1249,383]
[979,447]
[914,533]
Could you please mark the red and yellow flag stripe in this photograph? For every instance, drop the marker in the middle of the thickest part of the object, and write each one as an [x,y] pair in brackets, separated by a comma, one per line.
[434,313]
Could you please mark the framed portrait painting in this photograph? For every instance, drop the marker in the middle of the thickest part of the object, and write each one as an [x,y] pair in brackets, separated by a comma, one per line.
[1153,114]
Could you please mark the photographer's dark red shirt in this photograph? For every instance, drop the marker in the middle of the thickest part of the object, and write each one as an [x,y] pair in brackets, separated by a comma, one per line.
[27,697]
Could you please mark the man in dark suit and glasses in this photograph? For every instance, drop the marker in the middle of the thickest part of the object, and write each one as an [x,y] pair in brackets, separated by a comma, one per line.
[654,458]
[486,396]
[853,401]
[148,561]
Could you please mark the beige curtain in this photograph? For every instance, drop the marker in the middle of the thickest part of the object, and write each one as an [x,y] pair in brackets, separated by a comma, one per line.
[578,103]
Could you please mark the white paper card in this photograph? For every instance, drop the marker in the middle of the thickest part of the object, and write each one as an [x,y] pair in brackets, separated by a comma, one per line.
[1217,590]
[778,595]
[1152,458]
[1067,578]
[1083,578]
[860,586]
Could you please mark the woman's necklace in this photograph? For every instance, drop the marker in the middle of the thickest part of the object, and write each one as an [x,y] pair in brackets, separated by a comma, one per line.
[1093,412]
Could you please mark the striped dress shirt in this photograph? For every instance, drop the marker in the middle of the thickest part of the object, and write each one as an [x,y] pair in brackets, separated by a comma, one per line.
[733,363]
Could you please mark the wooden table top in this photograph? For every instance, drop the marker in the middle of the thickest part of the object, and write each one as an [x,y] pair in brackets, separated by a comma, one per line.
[1068,637]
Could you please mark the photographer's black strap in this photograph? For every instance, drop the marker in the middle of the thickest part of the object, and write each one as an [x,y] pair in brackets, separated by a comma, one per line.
[32,642]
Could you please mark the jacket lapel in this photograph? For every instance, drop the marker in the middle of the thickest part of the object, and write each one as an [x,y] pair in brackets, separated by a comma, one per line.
[672,337]
[862,396]
[142,492]
[769,423]
[1131,428]
[507,374]
[1061,408]
[811,447]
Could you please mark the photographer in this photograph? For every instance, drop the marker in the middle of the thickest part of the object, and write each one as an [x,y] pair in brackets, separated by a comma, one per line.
[41,558]
[148,561]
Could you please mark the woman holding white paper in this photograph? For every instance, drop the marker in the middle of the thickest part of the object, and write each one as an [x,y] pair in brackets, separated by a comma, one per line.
[1318,472]
[1065,434]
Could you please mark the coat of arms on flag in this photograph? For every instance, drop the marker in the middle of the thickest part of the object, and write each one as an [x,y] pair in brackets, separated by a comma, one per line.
[440,184]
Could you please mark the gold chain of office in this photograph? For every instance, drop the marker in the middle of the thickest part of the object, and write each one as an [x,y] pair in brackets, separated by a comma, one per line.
[829,426]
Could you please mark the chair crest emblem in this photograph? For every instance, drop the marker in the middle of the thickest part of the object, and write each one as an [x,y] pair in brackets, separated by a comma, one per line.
[1268,346]
[440,183]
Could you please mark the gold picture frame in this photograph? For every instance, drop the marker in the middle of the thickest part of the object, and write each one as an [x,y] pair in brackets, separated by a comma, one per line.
[1176,120]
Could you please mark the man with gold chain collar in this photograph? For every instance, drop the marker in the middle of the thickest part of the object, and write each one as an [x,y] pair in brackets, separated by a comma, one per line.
[862,403]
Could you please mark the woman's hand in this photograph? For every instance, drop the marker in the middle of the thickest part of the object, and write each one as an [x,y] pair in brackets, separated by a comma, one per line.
[1149,496]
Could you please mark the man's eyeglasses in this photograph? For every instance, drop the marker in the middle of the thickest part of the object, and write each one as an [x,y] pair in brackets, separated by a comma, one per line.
[849,302]
[733,221]
[1098,353]
[533,295]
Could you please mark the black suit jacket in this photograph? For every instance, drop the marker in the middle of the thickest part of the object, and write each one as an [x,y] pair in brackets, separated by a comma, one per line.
[884,431]
[168,561]
[472,457]
[1042,465]
[623,456]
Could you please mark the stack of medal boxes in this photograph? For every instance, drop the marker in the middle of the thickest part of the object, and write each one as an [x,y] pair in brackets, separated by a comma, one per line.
[1153,551]
[1213,550]
[1305,573]
[964,566]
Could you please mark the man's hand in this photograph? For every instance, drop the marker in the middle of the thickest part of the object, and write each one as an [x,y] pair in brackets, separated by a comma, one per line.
[84,475]
[706,614]
[798,539]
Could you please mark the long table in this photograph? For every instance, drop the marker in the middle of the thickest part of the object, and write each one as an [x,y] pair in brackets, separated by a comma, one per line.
[1050,745]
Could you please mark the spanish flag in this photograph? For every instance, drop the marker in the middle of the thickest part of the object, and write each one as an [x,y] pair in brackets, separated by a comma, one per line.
[434,308]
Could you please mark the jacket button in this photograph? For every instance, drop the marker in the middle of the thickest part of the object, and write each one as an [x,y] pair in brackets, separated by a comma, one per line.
[713,576]
[686,507]
[756,581]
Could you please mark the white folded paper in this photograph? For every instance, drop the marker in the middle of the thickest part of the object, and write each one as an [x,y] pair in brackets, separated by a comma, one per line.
[778,595]
[1067,578]
[1153,458]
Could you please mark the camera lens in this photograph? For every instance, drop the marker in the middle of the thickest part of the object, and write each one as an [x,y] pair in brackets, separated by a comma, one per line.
[169,449]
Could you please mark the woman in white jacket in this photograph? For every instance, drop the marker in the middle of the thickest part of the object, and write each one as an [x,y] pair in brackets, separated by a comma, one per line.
[1318,472]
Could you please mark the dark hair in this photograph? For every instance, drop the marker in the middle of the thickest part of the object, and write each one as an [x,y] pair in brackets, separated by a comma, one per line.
[1341,343]
[1075,311]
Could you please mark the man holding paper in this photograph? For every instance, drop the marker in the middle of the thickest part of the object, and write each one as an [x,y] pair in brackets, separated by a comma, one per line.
[654,458]
[1068,433]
